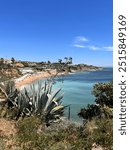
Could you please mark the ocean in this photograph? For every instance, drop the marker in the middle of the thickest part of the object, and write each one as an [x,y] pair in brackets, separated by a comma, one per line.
[77,88]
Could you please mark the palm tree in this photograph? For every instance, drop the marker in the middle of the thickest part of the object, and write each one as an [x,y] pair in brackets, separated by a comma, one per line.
[70,60]
[60,61]
[49,64]
[66,59]
[13,60]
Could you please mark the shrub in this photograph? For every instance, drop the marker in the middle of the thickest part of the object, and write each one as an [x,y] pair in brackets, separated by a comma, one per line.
[100,132]
[103,93]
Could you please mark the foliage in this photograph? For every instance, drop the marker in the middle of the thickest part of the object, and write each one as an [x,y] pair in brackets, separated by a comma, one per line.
[98,117]
[67,138]
[100,132]
[95,111]
[31,134]
[28,127]
[2,143]
[90,112]
[104,103]
[13,60]
[103,93]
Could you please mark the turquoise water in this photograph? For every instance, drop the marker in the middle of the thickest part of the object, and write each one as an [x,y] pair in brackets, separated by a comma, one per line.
[77,89]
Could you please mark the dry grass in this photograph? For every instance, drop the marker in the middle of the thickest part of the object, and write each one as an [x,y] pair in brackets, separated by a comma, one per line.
[7,128]
[8,131]
[67,136]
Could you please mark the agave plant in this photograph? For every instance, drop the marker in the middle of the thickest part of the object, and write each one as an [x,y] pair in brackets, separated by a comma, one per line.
[42,102]
[45,103]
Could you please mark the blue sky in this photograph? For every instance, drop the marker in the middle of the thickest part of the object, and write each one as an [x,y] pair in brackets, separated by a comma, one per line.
[42,30]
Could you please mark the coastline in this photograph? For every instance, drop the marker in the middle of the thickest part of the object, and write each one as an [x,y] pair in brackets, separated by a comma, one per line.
[29,78]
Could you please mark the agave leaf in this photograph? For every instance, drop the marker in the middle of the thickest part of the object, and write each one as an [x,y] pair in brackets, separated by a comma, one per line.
[38,99]
[58,108]
[19,100]
[54,94]
[51,106]
[26,94]
[45,86]
[44,99]
[39,90]
[55,102]
[3,92]
[57,99]
[50,88]
[10,87]
[50,97]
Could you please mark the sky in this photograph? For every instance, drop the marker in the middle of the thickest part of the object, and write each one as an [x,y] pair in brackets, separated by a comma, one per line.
[42,30]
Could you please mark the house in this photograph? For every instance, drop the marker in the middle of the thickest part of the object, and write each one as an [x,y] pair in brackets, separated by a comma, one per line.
[26,70]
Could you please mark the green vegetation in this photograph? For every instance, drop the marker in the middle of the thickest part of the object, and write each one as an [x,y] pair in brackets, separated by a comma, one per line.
[33,131]
[99,116]
[64,135]
[38,113]
[104,94]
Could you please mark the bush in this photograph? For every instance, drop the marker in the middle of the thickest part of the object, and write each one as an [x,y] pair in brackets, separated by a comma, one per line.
[33,135]
[103,93]
[98,126]
[100,132]
[27,129]
[104,103]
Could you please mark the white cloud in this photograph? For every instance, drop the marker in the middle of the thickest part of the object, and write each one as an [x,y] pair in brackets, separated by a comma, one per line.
[83,42]
[92,47]
[79,39]
[108,48]
[79,46]
[80,42]
[104,48]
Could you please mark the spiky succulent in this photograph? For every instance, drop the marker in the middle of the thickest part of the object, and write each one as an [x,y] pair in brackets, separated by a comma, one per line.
[42,102]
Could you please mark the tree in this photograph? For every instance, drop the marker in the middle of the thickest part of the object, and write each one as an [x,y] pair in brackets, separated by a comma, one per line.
[104,102]
[70,60]
[13,60]
[103,93]
[49,62]
[90,111]
[66,59]
[60,61]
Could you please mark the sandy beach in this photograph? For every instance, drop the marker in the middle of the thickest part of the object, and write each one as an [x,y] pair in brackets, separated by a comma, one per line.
[29,78]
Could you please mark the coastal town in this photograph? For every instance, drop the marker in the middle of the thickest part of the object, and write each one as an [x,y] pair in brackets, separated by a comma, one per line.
[24,72]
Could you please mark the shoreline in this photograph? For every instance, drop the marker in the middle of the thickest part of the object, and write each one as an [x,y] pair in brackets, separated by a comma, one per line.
[30,78]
